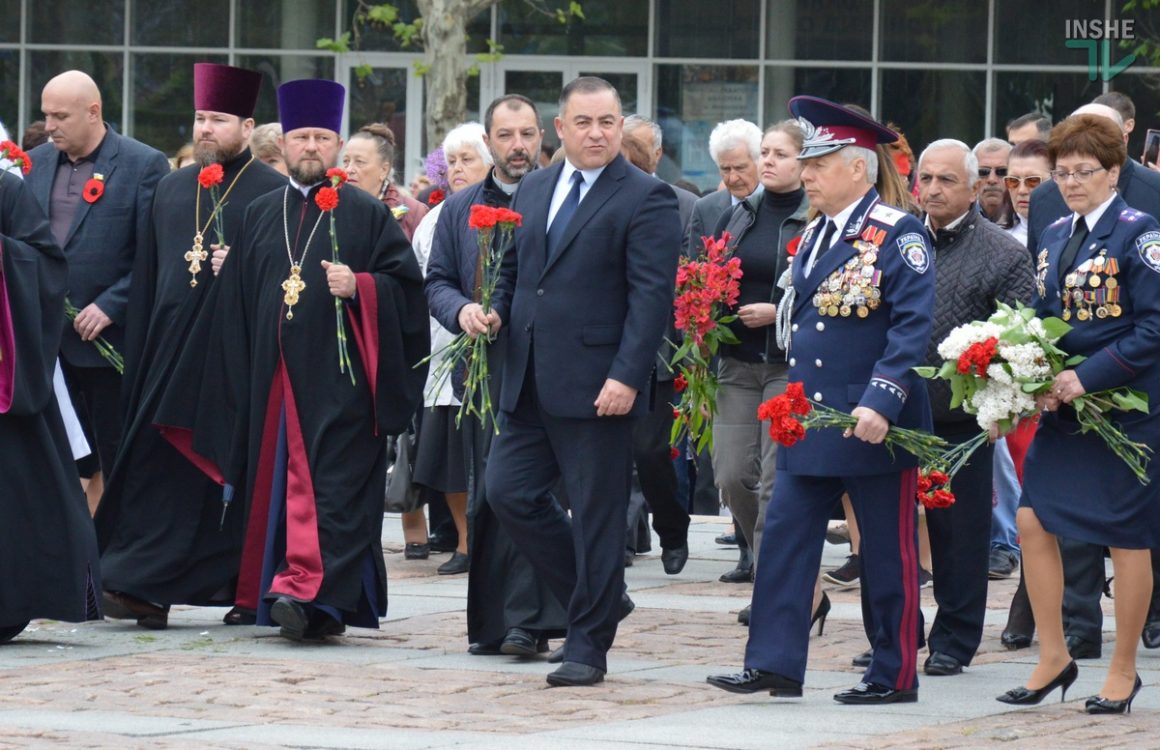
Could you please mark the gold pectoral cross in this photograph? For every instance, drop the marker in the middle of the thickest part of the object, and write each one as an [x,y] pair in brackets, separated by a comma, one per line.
[195,256]
[292,287]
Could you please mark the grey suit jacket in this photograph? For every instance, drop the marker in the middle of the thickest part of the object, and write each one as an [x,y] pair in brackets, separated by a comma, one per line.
[707,212]
[105,235]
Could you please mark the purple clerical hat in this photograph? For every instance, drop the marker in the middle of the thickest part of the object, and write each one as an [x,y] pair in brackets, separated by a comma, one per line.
[224,88]
[311,103]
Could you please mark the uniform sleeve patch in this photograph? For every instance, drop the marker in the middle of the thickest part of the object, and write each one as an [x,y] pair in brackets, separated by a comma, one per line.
[914,251]
[1148,245]
[886,214]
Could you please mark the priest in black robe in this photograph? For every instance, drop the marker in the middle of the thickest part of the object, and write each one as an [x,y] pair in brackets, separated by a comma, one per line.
[163,537]
[277,415]
[48,551]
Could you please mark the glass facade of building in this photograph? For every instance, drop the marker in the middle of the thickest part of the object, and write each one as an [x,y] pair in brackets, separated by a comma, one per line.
[952,68]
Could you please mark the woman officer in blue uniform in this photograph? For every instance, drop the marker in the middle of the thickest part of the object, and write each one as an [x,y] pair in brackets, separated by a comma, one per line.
[1098,269]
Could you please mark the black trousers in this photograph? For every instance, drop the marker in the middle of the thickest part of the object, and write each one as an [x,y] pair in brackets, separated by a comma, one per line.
[580,558]
[96,394]
[657,477]
[960,549]
[1083,585]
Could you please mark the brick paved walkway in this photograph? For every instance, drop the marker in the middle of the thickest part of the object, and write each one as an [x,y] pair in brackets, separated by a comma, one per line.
[412,685]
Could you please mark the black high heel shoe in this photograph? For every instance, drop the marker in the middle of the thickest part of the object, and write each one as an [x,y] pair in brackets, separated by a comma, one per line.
[820,614]
[1022,696]
[1100,705]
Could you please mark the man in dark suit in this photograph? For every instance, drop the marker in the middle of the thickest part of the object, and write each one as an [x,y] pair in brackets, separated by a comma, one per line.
[1083,564]
[97,188]
[586,291]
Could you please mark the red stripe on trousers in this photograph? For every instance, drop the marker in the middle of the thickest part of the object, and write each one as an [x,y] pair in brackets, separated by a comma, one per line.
[908,637]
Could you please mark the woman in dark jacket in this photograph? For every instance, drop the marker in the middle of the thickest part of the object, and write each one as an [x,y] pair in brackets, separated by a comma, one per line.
[1099,270]
[754,369]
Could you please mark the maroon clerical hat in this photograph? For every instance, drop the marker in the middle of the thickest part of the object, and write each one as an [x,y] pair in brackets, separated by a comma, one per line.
[311,103]
[224,88]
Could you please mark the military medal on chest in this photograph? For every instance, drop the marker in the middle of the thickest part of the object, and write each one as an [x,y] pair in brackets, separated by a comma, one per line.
[1092,289]
[853,289]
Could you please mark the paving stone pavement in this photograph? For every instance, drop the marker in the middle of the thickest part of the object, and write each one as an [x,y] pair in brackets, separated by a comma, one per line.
[411,684]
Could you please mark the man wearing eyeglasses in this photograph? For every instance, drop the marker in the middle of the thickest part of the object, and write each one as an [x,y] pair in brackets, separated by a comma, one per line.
[1083,564]
[992,156]
[976,263]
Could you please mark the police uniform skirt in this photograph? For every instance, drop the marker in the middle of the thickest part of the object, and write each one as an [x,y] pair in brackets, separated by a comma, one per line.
[1081,490]
[439,457]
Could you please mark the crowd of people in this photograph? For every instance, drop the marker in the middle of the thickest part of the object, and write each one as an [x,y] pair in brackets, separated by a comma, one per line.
[237,351]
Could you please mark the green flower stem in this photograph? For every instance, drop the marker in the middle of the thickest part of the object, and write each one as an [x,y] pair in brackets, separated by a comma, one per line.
[104,348]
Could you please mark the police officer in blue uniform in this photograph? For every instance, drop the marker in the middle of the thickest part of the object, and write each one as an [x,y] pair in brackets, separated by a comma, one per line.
[1098,269]
[863,287]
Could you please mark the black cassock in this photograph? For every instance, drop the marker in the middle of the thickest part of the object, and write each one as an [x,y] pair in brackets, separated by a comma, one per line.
[48,552]
[159,525]
[276,415]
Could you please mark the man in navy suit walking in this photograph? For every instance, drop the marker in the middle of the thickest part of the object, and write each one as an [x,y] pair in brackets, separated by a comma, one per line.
[97,188]
[863,288]
[586,292]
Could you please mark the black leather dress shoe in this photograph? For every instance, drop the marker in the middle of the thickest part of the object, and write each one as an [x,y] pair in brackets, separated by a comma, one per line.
[1014,641]
[240,616]
[321,627]
[557,655]
[743,615]
[727,540]
[873,694]
[1151,635]
[575,674]
[455,565]
[440,543]
[627,605]
[939,664]
[125,607]
[484,649]
[740,574]
[1080,648]
[673,560]
[520,642]
[863,659]
[292,616]
[757,681]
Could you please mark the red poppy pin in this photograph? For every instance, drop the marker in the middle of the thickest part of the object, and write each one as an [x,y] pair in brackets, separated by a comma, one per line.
[793,245]
[94,189]
[435,198]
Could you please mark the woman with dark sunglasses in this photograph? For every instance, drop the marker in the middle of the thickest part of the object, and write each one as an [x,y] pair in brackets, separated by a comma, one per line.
[1027,168]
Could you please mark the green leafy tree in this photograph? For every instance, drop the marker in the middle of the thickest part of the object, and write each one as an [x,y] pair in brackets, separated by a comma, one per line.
[440,31]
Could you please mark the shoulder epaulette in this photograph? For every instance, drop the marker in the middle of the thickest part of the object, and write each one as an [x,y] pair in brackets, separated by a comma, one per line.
[1059,221]
[1130,214]
[886,214]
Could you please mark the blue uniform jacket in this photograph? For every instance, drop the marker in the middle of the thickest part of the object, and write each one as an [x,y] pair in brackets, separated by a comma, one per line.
[1121,349]
[850,361]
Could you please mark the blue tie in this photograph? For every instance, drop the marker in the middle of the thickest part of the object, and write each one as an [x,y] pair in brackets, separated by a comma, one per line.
[564,214]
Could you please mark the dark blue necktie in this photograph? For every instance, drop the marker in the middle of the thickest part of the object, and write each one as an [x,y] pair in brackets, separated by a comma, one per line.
[564,214]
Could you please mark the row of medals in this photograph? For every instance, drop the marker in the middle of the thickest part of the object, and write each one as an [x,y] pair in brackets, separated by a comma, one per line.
[1092,289]
[853,288]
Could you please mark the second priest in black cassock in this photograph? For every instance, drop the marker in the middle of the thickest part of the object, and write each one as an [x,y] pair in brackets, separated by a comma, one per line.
[276,415]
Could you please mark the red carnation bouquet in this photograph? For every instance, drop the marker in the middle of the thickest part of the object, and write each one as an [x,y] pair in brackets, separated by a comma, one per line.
[791,415]
[327,200]
[17,156]
[707,288]
[494,227]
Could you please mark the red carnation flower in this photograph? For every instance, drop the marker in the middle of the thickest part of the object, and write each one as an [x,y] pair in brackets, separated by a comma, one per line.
[508,216]
[211,176]
[674,454]
[680,383]
[326,199]
[93,190]
[939,477]
[337,176]
[792,248]
[676,413]
[482,217]
[435,198]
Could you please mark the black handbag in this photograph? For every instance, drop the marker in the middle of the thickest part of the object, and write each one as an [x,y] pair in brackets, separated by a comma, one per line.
[403,495]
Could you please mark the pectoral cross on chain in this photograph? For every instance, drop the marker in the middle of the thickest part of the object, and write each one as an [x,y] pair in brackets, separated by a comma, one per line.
[292,287]
[195,256]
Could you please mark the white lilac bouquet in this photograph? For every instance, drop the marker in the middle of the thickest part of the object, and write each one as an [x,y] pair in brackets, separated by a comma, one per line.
[998,366]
